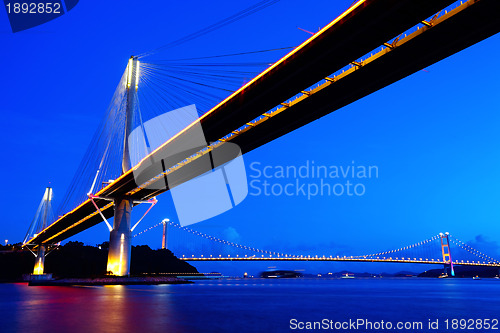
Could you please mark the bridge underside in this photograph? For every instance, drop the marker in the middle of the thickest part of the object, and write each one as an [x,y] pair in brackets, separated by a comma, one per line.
[366,26]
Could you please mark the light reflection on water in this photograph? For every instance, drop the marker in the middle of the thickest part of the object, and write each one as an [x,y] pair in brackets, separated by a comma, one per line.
[244,305]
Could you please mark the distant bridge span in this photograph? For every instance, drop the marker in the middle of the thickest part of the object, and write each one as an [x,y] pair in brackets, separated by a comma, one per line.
[436,250]
[341,259]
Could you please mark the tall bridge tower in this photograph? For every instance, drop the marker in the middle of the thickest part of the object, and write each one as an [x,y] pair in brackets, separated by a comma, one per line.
[446,252]
[120,237]
[44,210]
[164,238]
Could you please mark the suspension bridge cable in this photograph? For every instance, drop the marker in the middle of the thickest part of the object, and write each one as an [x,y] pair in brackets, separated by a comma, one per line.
[401,249]
[220,24]
[214,239]
[471,250]
[109,133]
[233,54]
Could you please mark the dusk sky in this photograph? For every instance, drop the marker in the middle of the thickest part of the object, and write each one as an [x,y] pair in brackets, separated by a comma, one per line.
[432,137]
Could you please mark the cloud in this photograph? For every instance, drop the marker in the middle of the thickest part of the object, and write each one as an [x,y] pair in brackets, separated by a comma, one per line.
[484,244]
[231,235]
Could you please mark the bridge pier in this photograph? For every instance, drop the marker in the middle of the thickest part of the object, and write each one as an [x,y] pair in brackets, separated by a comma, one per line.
[38,271]
[44,209]
[40,260]
[120,239]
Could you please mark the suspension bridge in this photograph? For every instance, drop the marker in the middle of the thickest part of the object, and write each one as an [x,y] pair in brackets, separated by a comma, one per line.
[247,103]
[442,249]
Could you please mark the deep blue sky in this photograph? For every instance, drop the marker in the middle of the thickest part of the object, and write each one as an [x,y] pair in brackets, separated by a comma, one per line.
[434,135]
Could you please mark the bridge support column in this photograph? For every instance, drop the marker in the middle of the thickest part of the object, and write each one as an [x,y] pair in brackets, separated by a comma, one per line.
[40,260]
[120,240]
[45,210]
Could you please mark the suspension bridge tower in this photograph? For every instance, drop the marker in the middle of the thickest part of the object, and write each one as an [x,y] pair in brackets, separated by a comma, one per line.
[164,237]
[40,223]
[120,236]
[446,252]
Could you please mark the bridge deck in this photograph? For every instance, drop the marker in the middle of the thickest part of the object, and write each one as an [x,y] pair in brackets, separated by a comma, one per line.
[365,26]
[340,259]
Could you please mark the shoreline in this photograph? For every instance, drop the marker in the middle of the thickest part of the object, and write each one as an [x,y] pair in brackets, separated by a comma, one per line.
[101,281]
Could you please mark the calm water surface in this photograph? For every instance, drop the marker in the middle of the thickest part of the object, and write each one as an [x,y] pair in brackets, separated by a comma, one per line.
[244,305]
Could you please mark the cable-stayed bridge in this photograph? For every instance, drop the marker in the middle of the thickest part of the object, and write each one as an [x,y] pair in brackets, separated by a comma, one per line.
[371,45]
